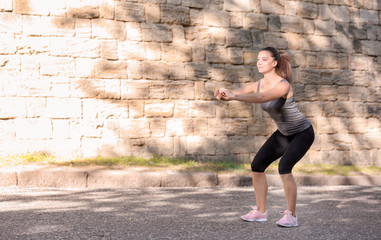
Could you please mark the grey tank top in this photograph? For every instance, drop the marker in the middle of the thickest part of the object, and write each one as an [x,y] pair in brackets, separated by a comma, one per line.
[286,114]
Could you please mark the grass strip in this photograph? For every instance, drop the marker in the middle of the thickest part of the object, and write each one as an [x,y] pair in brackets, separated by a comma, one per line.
[157,162]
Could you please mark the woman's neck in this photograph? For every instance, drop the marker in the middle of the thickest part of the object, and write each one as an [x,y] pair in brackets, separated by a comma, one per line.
[271,77]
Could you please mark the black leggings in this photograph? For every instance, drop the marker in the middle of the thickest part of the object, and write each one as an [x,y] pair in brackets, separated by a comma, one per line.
[290,148]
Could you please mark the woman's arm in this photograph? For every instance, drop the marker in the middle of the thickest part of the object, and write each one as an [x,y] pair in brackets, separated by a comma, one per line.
[279,90]
[246,89]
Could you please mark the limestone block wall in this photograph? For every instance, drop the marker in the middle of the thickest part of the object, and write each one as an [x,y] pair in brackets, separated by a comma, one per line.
[81,78]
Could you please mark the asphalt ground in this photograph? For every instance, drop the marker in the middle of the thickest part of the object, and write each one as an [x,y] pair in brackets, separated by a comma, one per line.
[324,212]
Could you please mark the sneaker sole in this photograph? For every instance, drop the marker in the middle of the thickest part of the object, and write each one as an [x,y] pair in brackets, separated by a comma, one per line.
[255,220]
[287,226]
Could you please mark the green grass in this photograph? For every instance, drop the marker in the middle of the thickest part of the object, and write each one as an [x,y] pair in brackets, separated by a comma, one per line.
[158,162]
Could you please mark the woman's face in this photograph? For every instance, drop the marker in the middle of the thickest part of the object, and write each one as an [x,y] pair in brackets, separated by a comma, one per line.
[265,62]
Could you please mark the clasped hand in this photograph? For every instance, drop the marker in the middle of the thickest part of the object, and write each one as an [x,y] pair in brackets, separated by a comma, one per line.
[223,94]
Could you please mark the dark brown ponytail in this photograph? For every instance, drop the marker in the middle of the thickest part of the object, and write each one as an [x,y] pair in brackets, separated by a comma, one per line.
[283,67]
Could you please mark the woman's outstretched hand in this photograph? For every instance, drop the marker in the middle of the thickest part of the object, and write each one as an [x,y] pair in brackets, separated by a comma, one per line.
[223,94]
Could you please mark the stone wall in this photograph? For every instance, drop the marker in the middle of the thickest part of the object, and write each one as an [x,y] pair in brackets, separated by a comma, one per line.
[82,78]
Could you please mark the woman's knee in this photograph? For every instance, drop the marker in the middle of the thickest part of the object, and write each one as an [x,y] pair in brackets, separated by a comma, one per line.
[284,169]
[255,167]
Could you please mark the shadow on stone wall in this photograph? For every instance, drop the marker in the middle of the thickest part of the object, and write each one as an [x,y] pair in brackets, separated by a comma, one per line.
[318,83]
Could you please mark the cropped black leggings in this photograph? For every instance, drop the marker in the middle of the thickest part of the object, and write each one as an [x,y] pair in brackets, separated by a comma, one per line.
[290,148]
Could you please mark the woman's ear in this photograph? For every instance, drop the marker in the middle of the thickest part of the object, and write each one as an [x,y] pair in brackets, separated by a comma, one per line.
[275,63]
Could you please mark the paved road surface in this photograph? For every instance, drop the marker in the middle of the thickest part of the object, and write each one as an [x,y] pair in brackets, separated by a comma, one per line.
[346,212]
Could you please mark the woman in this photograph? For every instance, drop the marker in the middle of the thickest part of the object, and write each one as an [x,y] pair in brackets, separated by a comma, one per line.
[291,141]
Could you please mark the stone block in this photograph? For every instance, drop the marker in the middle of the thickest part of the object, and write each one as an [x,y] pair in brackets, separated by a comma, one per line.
[178,34]
[236,19]
[275,39]
[177,71]
[240,110]
[108,29]
[240,145]
[48,26]
[196,3]
[9,45]
[291,24]
[129,12]
[339,13]
[196,17]
[8,177]
[216,54]
[153,51]
[202,108]
[324,12]
[10,23]
[56,66]
[235,56]
[86,48]
[349,109]
[197,145]
[358,62]
[7,129]
[134,31]
[227,127]
[131,51]
[64,108]
[239,74]
[293,40]
[161,146]
[259,127]
[155,70]
[369,16]
[138,178]
[372,48]
[106,9]
[239,38]
[152,12]
[181,109]
[158,128]
[136,108]
[325,28]
[307,10]
[272,6]
[109,50]
[83,9]
[84,67]
[11,108]
[216,18]
[134,128]
[255,21]
[201,91]
[179,90]
[172,178]
[177,15]
[33,7]
[331,125]
[274,23]
[179,127]
[6,5]
[110,69]
[197,71]
[33,128]
[156,33]
[58,178]
[158,109]
[250,58]
[135,89]
[240,5]
[176,52]
[83,28]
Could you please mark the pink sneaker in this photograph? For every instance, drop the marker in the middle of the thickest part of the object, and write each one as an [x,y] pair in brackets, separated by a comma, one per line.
[288,220]
[255,216]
